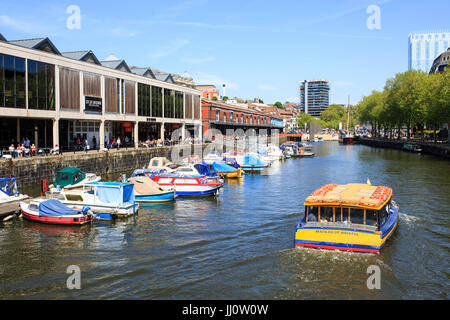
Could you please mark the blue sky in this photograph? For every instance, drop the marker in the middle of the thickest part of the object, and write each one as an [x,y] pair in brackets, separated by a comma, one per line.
[257,48]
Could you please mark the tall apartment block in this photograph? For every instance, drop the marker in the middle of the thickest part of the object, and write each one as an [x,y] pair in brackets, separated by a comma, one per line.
[314,96]
[424,47]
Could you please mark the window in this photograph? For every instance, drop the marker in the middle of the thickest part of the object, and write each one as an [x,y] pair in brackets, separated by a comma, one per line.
[156,102]
[144,100]
[326,214]
[371,217]
[41,86]
[169,103]
[357,216]
[188,108]
[217,115]
[12,81]
[69,87]
[313,214]
[179,102]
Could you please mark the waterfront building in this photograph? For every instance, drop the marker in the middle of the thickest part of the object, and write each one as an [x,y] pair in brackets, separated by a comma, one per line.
[53,98]
[441,62]
[223,116]
[425,47]
[314,96]
[209,91]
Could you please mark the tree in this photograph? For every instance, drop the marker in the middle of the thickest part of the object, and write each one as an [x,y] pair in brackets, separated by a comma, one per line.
[225,98]
[279,105]
[214,98]
[306,119]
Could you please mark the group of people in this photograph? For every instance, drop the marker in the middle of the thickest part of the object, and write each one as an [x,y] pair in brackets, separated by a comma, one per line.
[118,142]
[24,149]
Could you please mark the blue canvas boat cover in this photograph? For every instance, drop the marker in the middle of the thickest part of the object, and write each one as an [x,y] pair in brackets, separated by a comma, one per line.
[8,186]
[204,169]
[110,192]
[250,160]
[221,166]
[54,208]
[232,162]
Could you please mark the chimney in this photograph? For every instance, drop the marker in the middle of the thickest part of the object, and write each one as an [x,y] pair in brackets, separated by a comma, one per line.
[223,91]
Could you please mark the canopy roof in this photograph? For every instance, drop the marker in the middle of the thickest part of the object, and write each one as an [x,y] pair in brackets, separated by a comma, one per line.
[221,166]
[68,176]
[352,194]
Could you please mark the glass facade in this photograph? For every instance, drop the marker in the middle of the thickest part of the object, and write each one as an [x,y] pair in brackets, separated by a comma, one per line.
[12,81]
[144,100]
[179,101]
[157,102]
[41,85]
[169,103]
[423,48]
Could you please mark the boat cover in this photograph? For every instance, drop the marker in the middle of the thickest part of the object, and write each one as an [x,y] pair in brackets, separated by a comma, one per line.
[68,176]
[204,169]
[54,208]
[146,186]
[111,192]
[232,162]
[250,160]
[221,166]
[8,186]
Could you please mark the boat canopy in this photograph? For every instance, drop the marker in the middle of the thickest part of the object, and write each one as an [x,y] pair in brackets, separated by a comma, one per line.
[221,166]
[145,186]
[352,194]
[232,162]
[113,192]
[8,186]
[68,176]
[147,172]
[250,160]
[54,208]
[204,169]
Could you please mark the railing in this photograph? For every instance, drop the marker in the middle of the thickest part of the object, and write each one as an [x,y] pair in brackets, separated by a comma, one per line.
[340,225]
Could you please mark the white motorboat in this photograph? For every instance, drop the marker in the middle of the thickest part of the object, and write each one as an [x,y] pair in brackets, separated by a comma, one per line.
[10,198]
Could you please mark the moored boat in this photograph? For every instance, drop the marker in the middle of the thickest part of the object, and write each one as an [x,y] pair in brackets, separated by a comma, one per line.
[108,200]
[411,147]
[146,190]
[72,177]
[10,198]
[253,164]
[226,170]
[55,212]
[188,185]
[161,163]
[353,217]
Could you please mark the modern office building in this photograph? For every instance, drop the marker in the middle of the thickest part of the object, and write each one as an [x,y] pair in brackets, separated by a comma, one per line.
[53,97]
[425,47]
[314,96]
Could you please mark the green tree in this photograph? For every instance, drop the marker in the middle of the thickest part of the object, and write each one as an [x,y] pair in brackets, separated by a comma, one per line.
[279,105]
[214,98]
[224,98]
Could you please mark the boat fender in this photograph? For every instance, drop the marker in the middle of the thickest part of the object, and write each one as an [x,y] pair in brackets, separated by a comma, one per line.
[85,209]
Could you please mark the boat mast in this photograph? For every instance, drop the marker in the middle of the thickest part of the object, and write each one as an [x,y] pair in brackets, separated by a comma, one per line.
[348,112]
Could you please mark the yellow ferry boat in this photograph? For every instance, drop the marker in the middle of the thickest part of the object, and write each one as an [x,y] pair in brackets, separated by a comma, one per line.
[353,217]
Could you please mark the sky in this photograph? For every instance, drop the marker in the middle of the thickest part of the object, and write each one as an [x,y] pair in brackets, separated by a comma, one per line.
[256,48]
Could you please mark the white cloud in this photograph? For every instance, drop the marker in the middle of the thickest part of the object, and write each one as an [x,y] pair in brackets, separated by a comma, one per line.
[205,78]
[170,48]
[266,87]
[199,60]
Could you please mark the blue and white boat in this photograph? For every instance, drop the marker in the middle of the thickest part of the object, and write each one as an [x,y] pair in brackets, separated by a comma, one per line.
[9,198]
[253,164]
[226,170]
[108,200]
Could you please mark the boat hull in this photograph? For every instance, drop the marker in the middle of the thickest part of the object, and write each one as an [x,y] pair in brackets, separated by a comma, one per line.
[346,239]
[232,175]
[163,197]
[61,220]
[347,140]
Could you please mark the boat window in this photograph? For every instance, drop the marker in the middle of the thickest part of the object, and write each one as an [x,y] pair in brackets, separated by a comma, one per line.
[74,197]
[63,176]
[154,163]
[371,217]
[326,214]
[33,207]
[313,213]
[383,215]
[77,176]
[357,216]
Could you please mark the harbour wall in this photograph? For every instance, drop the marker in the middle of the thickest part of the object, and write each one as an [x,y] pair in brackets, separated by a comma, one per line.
[439,150]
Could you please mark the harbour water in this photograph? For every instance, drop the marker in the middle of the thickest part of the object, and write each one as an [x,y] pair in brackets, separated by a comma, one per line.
[240,245]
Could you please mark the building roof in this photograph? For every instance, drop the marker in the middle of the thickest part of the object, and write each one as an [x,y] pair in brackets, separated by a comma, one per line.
[145,72]
[43,44]
[2,38]
[163,76]
[441,62]
[116,64]
[85,55]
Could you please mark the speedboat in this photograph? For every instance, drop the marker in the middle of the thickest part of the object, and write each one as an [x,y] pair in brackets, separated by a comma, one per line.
[412,147]
[108,200]
[253,164]
[197,170]
[71,177]
[274,152]
[352,217]
[186,185]
[54,212]
[226,170]
[10,198]
[212,156]
[146,190]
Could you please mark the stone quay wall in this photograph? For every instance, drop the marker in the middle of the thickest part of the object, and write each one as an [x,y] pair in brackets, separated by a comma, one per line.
[29,171]
[439,150]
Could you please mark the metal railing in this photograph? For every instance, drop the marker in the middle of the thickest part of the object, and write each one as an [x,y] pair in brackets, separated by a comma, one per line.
[340,225]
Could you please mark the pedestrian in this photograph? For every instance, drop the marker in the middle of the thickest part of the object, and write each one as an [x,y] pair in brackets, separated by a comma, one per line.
[94,142]
[12,150]
[19,151]
[118,143]
[78,143]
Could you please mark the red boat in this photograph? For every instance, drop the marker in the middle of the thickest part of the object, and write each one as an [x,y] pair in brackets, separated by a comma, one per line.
[347,139]
[54,212]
